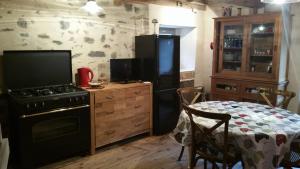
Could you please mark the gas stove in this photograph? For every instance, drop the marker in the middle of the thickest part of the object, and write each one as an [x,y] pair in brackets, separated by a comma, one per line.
[44,91]
[40,99]
[49,117]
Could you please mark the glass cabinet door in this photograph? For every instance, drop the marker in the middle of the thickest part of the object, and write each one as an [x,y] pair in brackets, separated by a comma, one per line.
[260,56]
[232,48]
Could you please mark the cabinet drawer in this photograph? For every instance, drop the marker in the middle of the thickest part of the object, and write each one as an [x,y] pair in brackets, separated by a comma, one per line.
[108,132]
[249,92]
[115,130]
[138,124]
[110,109]
[225,87]
[122,108]
[137,91]
[218,97]
[139,104]
[109,95]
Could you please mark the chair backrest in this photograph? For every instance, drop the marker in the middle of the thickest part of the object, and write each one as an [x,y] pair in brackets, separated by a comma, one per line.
[206,134]
[283,96]
[191,95]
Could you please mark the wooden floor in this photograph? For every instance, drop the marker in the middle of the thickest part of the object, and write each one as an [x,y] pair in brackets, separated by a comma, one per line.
[156,152]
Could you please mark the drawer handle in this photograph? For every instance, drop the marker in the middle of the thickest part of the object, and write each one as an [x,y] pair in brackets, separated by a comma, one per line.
[137,106]
[137,125]
[137,92]
[109,97]
[109,112]
[110,132]
[98,105]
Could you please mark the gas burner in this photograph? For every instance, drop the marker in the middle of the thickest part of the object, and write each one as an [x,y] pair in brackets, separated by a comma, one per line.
[22,93]
[45,91]
[65,89]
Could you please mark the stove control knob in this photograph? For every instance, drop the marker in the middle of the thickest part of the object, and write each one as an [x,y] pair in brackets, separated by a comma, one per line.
[35,105]
[43,104]
[70,100]
[28,108]
[76,99]
[84,99]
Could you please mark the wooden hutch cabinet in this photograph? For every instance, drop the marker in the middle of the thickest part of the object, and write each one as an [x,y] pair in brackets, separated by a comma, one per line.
[248,54]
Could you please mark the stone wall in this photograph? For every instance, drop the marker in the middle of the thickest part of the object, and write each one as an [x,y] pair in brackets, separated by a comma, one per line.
[61,25]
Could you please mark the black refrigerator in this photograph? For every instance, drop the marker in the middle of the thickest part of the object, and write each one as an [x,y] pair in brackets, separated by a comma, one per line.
[159,57]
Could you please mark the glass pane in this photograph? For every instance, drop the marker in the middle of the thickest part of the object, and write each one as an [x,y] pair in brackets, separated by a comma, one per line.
[233,45]
[54,128]
[261,48]
[166,56]
[168,70]
[252,90]
[226,87]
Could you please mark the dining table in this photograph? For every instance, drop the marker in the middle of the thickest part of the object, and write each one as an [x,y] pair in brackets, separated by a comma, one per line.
[262,134]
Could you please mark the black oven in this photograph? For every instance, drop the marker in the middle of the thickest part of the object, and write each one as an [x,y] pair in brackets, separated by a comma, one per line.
[49,136]
[49,116]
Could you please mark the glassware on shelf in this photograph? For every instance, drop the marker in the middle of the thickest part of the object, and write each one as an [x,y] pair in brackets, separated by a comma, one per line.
[261,45]
[228,57]
[267,28]
[233,42]
[269,68]
[237,57]
[253,68]
[232,47]
[262,52]
[270,29]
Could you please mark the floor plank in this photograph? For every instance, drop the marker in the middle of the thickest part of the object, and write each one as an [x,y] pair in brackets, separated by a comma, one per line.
[158,152]
[155,152]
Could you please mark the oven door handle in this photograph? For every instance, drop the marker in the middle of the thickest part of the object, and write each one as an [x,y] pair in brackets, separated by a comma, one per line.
[54,111]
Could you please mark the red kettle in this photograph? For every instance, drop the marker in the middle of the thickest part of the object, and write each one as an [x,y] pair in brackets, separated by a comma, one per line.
[85,75]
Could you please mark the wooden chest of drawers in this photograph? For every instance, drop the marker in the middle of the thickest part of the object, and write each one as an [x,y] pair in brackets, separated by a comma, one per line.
[120,111]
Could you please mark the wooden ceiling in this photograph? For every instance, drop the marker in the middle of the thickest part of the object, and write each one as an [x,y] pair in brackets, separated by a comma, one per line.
[245,3]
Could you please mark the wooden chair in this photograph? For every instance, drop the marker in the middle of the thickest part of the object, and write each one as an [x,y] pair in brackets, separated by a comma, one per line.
[206,146]
[284,97]
[190,95]
[292,159]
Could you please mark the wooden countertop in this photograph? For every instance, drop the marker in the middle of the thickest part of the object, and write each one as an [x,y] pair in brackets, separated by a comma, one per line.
[117,86]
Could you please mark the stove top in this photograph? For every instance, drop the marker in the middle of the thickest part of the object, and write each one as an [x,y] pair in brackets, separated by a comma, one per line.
[44,91]
[42,99]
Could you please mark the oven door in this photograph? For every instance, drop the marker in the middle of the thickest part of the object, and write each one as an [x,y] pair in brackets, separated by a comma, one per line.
[50,136]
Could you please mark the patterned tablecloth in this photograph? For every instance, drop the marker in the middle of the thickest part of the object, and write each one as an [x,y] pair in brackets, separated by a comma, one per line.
[263,134]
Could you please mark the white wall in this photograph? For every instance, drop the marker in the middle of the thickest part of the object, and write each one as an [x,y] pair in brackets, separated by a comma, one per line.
[203,69]
[294,69]
[186,22]
[188,46]
[172,16]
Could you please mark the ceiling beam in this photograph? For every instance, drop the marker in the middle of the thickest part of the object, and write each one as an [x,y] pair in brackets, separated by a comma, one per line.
[244,3]
[198,4]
